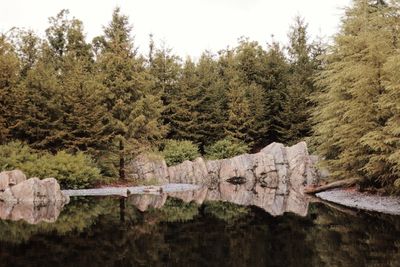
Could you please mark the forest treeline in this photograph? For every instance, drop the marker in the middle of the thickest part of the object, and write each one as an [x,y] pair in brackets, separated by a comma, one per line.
[106,99]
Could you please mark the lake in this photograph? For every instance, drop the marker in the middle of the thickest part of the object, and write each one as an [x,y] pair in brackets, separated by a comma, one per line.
[203,228]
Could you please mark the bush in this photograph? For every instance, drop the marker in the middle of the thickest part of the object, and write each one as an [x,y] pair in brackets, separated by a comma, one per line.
[71,171]
[225,148]
[178,151]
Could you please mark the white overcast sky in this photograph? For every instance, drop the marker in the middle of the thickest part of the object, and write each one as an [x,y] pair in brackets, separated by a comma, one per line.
[187,26]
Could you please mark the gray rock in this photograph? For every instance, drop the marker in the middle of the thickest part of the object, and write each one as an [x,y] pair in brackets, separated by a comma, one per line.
[33,190]
[38,191]
[148,168]
[275,167]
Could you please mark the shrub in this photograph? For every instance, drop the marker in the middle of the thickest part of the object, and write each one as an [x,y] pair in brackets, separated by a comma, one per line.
[225,148]
[71,171]
[178,151]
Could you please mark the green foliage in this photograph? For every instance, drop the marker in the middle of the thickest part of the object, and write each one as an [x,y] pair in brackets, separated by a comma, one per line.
[135,113]
[105,99]
[225,148]
[296,114]
[177,151]
[71,171]
[239,113]
[182,105]
[357,120]
[9,66]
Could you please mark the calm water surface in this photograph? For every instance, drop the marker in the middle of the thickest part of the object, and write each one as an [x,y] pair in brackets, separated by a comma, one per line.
[183,230]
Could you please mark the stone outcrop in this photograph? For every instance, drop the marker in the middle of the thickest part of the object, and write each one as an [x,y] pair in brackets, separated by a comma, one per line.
[33,190]
[272,179]
[147,168]
[275,167]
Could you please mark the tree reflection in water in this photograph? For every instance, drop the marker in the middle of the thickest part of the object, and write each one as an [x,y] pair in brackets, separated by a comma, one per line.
[159,230]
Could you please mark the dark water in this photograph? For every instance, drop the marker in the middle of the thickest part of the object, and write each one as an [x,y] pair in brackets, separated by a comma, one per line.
[139,231]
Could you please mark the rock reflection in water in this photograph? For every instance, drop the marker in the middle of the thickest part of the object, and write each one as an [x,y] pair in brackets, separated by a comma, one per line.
[30,212]
[245,194]
[108,231]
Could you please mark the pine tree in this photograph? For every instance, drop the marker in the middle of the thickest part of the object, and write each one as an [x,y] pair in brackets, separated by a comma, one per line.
[165,68]
[259,127]
[41,112]
[277,81]
[27,45]
[251,63]
[212,100]
[240,119]
[39,120]
[85,125]
[297,109]
[184,116]
[357,117]
[135,112]
[9,77]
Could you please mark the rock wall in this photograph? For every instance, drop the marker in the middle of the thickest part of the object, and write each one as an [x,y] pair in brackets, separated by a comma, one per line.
[15,188]
[273,179]
[275,166]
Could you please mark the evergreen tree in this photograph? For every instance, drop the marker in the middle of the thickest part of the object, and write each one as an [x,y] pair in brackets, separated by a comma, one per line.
[240,119]
[259,127]
[39,120]
[85,120]
[9,76]
[357,112]
[184,116]
[250,62]
[57,38]
[27,45]
[135,113]
[41,113]
[165,68]
[277,81]
[212,100]
[297,109]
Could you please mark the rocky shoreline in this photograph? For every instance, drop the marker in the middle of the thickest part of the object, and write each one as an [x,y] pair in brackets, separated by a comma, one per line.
[277,178]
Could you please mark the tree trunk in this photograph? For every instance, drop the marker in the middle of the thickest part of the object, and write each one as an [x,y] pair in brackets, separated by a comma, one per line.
[336,184]
[121,161]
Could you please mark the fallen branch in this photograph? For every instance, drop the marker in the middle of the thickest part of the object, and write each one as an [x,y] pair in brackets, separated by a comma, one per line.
[342,183]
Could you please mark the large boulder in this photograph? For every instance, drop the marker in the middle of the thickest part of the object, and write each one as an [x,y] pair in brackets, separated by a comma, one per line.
[148,168]
[33,190]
